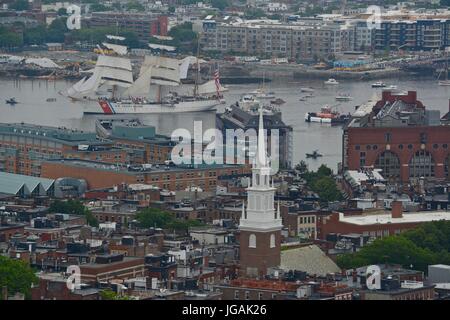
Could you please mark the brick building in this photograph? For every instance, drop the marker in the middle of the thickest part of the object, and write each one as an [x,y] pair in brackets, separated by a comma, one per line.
[108,267]
[23,147]
[398,135]
[145,25]
[376,224]
[104,175]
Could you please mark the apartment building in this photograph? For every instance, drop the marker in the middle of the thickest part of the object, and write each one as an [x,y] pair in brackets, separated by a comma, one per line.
[430,34]
[300,40]
[145,25]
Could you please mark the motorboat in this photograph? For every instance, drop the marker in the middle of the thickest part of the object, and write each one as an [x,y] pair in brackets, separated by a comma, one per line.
[11,101]
[343,97]
[378,84]
[331,81]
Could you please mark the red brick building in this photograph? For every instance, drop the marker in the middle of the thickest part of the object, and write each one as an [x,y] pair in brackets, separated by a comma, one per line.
[376,224]
[399,136]
[103,175]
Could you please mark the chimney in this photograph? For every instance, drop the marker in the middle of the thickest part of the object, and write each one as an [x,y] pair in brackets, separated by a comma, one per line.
[397,209]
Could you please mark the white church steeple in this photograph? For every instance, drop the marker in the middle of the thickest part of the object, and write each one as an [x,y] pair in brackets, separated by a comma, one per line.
[260,214]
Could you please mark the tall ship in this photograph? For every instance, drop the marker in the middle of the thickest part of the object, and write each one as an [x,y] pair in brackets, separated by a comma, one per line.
[127,96]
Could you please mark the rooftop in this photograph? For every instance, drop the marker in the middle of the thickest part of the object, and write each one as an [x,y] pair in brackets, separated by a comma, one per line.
[416,217]
[123,169]
[60,134]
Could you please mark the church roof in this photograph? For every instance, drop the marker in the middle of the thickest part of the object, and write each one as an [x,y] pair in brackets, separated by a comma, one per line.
[310,259]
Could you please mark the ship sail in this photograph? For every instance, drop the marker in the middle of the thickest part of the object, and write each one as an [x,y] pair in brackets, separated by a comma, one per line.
[115,71]
[108,70]
[165,71]
[119,49]
[210,88]
[142,84]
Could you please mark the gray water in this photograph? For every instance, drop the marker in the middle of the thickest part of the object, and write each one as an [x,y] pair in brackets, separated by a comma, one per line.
[33,108]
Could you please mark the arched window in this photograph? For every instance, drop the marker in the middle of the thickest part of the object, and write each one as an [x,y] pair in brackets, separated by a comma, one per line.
[421,165]
[272,240]
[252,241]
[389,163]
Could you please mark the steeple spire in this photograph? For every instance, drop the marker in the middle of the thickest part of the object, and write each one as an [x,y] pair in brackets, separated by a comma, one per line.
[261,161]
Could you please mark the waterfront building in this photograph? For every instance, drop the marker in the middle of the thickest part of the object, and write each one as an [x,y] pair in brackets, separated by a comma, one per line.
[23,147]
[414,35]
[174,178]
[305,40]
[236,118]
[145,25]
[398,135]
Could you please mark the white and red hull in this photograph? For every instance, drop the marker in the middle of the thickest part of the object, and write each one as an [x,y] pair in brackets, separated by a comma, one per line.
[110,107]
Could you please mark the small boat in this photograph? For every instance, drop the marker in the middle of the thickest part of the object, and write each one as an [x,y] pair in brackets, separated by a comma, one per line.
[378,84]
[307,89]
[51,99]
[327,115]
[444,83]
[11,101]
[314,155]
[262,94]
[343,97]
[278,101]
[331,81]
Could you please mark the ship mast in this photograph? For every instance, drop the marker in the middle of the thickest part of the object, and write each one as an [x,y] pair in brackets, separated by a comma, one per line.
[198,66]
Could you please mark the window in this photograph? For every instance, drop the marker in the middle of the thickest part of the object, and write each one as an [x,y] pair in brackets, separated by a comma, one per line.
[252,241]
[421,165]
[260,295]
[236,295]
[247,295]
[388,137]
[272,241]
[389,163]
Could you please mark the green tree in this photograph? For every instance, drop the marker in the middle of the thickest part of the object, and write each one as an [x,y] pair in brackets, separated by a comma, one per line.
[301,167]
[327,189]
[134,5]
[36,35]
[111,295]
[74,207]
[152,217]
[62,12]
[98,7]
[9,39]
[20,5]
[220,4]
[56,30]
[254,13]
[16,276]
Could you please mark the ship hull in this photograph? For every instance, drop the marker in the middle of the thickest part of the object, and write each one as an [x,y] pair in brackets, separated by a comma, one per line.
[109,107]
